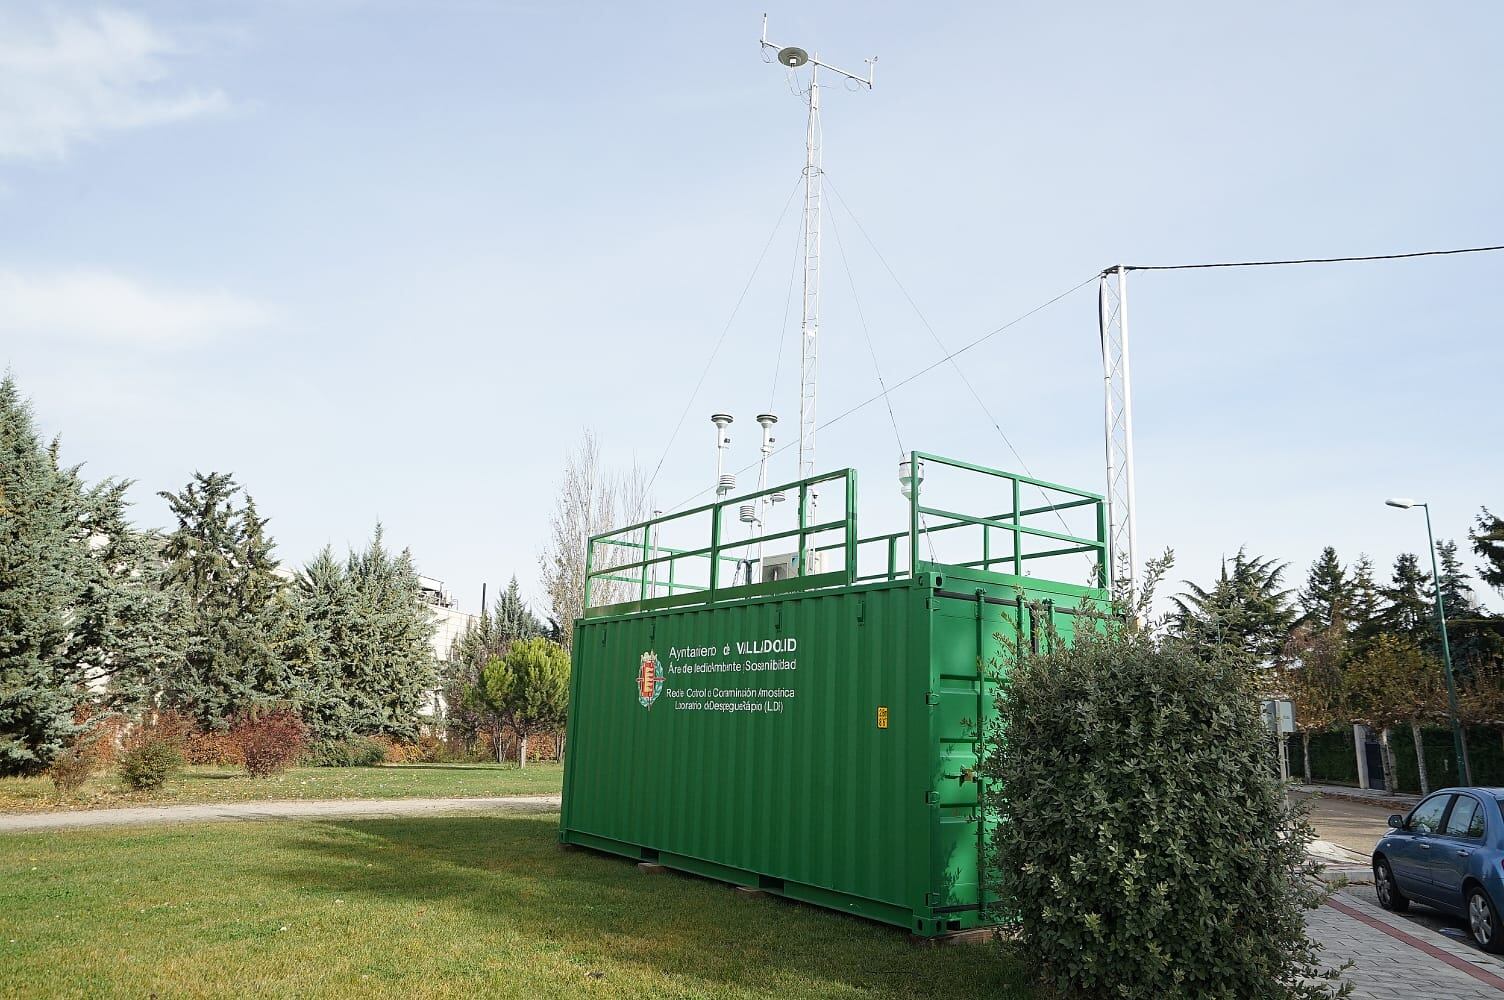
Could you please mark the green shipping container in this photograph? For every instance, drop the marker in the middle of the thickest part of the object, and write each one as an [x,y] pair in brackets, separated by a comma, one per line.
[813,735]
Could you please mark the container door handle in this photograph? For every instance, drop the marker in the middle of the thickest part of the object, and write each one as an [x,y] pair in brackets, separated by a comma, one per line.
[1461,853]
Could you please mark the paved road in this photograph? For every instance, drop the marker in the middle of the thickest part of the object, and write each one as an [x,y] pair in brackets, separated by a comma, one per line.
[1356,826]
[316,808]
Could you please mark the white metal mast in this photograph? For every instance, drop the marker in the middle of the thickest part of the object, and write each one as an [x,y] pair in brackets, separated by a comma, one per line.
[1117,396]
[793,58]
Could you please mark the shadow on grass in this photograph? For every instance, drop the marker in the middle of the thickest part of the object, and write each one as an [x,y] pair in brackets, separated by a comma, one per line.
[676,930]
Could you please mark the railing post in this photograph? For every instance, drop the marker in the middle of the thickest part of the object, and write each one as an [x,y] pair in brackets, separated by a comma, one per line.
[803,521]
[715,550]
[642,587]
[892,556]
[589,558]
[913,513]
[1018,536]
[850,526]
[1102,560]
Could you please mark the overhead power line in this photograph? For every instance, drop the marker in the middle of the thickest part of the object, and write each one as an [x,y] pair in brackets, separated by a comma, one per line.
[1306,260]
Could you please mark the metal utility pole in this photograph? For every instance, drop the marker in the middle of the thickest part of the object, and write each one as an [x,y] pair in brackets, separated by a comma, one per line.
[1459,740]
[1117,395]
[793,58]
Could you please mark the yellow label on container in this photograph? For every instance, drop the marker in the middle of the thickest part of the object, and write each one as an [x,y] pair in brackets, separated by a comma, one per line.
[882,717]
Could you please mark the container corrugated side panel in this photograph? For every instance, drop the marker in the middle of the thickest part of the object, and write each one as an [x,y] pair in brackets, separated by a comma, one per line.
[816,795]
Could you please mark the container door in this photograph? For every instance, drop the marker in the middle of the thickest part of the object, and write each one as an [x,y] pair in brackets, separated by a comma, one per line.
[973,639]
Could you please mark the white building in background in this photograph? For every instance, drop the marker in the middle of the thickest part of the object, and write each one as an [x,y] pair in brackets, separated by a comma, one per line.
[450,622]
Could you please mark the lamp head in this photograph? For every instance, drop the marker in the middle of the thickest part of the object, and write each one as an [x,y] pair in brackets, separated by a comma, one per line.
[1403,503]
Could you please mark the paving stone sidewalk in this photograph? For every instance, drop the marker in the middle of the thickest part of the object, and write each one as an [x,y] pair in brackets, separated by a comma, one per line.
[1394,959]
[295,809]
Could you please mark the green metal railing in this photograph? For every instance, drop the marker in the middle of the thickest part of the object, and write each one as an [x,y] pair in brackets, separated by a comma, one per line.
[635,584]
[679,593]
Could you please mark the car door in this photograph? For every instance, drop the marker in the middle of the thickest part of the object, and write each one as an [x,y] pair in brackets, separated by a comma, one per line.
[1410,853]
[1452,849]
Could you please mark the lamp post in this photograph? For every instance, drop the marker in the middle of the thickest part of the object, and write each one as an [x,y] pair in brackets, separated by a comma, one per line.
[1459,745]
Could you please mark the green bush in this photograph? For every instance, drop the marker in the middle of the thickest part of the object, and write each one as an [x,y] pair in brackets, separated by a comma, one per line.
[70,769]
[357,751]
[1144,844]
[149,763]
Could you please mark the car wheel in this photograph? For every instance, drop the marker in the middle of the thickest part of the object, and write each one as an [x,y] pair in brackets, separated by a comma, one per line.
[1385,887]
[1483,921]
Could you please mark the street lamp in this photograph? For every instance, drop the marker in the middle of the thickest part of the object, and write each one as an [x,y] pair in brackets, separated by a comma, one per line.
[1459,745]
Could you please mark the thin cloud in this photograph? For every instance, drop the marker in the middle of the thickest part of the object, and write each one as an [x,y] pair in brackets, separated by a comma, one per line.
[69,78]
[106,307]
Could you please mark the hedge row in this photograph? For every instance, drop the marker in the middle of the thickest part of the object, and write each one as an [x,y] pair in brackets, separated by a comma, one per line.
[1334,762]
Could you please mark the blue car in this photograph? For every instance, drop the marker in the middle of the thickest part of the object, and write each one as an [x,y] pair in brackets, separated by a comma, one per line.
[1448,853]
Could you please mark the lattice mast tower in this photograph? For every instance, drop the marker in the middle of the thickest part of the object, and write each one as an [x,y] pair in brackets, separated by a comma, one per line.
[794,58]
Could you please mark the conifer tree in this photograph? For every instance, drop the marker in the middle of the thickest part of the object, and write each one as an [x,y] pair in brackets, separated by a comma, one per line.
[1245,612]
[472,711]
[130,629]
[1487,537]
[530,687]
[373,666]
[1407,609]
[1365,601]
[43,575]
[1327,596]
[241,621]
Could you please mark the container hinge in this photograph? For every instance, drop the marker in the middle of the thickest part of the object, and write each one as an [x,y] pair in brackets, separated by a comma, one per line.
[861,612]
[931,798]
[931,698]
[932,899]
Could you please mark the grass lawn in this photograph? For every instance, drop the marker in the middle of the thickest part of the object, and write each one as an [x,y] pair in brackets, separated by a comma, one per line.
[434,907]
[218,784]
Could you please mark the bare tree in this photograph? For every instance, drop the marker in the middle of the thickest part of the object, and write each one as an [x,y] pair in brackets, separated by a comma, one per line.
[591,501]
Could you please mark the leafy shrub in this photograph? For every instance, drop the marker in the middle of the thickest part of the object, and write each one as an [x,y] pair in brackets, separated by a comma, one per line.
[148,762]
[212,747]
[1144,843]
[71,768]
[270,740]
[357,751]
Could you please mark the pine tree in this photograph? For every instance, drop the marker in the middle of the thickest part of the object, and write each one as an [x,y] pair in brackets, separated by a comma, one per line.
[240,618]
[43,575]
[1488,543]
[530,687]
[1366,600]
[472,712]
[130,629]
[1456,596]
[1327,597]
[1246,612]
[1407,609]
[373,665]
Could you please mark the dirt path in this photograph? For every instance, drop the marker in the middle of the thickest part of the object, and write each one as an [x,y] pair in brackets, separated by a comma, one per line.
[304,809]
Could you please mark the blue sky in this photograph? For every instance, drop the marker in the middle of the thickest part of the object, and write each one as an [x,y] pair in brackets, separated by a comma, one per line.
[389,259]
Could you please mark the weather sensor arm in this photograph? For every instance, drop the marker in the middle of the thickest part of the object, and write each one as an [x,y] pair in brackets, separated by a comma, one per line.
[794,57]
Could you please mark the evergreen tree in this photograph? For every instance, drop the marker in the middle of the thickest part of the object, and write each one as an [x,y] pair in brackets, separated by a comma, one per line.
[1246,612]
[43,575]
[241,621]
[1365,601]
[373,669]
[1456,596]
[1408,608]
[1487,537]
[130,628]
[530,687]
[471,710]
[1327,597]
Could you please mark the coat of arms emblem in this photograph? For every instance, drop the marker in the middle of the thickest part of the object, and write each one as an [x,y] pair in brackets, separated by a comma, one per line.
[649,680]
